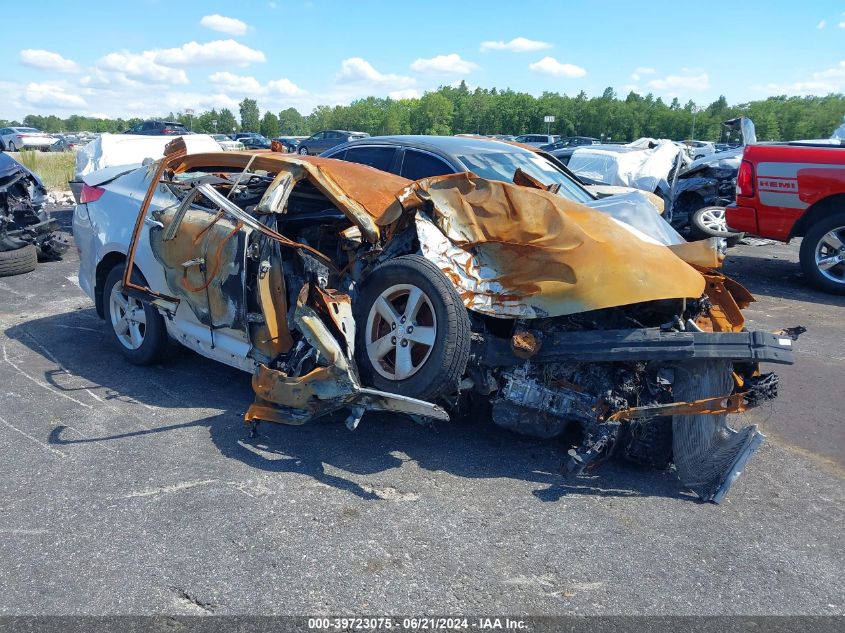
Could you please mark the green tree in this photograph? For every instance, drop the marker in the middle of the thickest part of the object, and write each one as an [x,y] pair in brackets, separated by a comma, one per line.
[270,125]
[292,123]
[432,115]
[250,115]
[226,122]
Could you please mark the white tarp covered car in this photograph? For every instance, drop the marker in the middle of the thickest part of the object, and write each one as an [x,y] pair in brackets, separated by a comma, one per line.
[113,150]
[643,164]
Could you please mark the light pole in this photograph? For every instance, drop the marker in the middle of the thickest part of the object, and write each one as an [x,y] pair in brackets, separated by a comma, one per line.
[695,110]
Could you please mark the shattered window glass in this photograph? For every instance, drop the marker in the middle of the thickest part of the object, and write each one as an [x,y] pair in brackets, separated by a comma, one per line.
[502,166]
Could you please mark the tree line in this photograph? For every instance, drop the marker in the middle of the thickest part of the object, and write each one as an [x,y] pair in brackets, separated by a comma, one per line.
[459,110]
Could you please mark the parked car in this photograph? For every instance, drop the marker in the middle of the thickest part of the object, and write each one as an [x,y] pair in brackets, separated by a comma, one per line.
[341,287]
[796,189]
[288,143]
[13,139]
[158,128]
[321,141]
[227,144]
[423,156]
[700,149]
[537,140]
[570,141]
[256,141]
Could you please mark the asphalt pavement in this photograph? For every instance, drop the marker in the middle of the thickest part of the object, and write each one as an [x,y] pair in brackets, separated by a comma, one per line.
[136,490]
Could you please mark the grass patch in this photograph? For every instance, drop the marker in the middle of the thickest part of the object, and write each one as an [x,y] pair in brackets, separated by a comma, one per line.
[54,168]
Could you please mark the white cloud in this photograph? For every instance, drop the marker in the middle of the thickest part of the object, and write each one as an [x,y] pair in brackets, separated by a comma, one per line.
[47,60]
[639,71]
[516,45]
[551,66]
[450,64]
[141,67]
[222,24]
[209,54]
[356,70]
[842,25]
[240,84]
[231,82]
[407,93]
[52,95]
[830,80]
[690,80]
[821,24]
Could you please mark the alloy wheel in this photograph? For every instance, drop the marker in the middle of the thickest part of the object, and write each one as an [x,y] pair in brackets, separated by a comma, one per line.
[401,331]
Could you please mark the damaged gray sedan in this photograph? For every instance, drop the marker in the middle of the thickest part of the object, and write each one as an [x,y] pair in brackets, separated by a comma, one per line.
[341,287]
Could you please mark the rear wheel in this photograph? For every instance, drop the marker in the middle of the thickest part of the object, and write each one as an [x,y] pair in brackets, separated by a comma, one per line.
[19,261]
[12,147]
[137,328]
[414,333]
[303,151]
[822,254]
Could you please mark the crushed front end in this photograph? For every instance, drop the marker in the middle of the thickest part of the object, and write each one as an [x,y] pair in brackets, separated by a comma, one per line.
[23,219]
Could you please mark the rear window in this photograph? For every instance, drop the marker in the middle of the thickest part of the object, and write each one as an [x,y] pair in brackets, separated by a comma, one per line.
[378,157]
[418,165]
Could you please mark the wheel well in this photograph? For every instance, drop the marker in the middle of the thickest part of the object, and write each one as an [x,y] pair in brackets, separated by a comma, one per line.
[103,269]
[815,212]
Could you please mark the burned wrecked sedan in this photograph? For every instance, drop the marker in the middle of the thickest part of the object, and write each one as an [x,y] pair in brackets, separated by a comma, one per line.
[27,233]
[338,286]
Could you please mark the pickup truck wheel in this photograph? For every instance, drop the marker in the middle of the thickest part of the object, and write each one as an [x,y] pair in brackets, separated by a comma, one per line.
[18,261]
[137,328]
[822,254]
[413,335]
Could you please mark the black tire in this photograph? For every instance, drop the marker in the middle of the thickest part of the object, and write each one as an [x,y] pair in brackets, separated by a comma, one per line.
[303,151]
[807,254]
[12,147]
[155,339]
[19,261]
[441,371]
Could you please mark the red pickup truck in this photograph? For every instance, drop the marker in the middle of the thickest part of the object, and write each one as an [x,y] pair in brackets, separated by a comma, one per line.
[786,190]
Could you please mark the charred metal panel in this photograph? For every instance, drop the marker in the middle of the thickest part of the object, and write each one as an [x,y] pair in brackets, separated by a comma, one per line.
[519,252]
[204,264]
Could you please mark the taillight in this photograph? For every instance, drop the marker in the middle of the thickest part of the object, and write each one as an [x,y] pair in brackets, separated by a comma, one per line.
[745,179]
[90,194]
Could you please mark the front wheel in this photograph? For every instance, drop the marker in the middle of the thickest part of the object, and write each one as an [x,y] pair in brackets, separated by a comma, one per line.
[137,328]
[711,222]
[303,151]
[413,336]
[822,254]
[12,147]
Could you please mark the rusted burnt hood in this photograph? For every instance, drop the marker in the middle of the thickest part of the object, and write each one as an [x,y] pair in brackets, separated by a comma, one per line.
[519,252]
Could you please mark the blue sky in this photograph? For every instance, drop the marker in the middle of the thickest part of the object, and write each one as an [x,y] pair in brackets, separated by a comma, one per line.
[149,57]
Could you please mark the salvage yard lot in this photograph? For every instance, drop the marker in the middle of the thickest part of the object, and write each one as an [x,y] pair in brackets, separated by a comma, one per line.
[138,490]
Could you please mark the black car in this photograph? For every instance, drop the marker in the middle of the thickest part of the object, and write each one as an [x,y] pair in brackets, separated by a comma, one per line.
[415,157]
[326,139]
[158,128]
[290,143]
[570,141]
[254,141]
